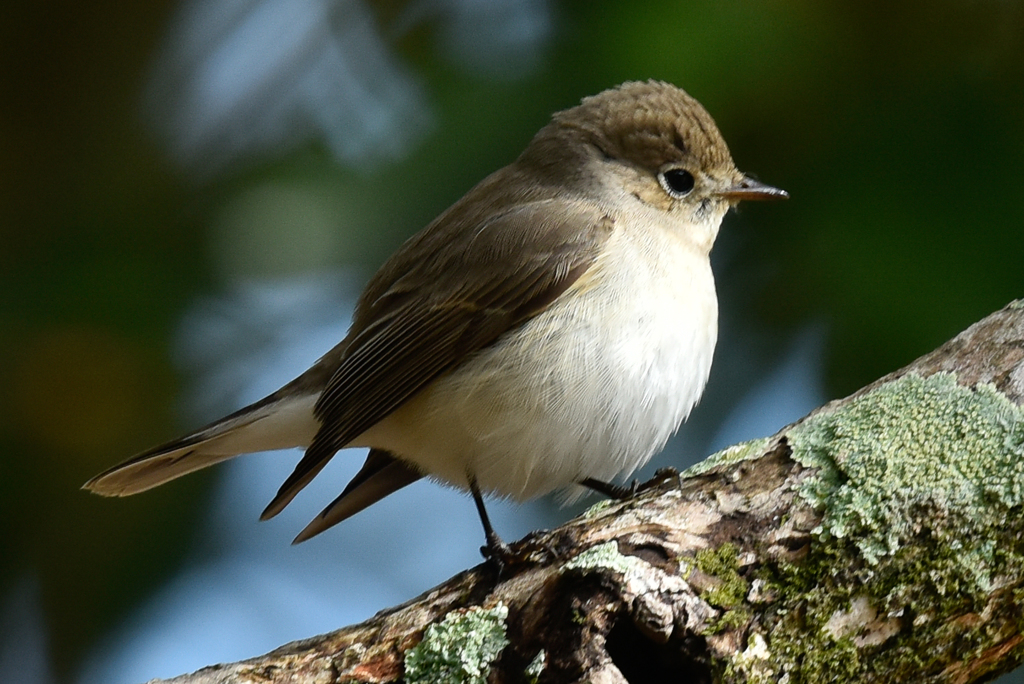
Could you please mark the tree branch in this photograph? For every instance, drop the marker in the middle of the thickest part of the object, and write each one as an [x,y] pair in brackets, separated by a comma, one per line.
[877,539]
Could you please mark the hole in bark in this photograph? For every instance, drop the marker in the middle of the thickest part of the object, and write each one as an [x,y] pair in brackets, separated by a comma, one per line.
[653,554]
[640,660]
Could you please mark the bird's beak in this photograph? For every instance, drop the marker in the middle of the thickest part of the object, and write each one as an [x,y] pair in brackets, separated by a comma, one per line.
[750,189]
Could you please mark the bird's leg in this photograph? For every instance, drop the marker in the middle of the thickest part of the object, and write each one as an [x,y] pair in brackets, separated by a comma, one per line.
[495,550]
[610,489]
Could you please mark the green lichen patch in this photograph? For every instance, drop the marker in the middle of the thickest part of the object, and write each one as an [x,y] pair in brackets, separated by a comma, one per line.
[536,667]
[722,564]
[916,598]
[460,649]
[597,509]
[606,556]
[730,590]
[820,659]
[802,649]
[752,664]
[912,449]
[743,451]
[920,483]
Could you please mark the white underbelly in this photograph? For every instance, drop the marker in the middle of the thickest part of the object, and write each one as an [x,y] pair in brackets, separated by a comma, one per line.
[592,387]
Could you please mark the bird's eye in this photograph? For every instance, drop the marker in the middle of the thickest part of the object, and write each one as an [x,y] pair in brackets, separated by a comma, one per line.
[677,182]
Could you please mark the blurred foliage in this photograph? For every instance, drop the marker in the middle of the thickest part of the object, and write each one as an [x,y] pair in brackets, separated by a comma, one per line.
[898,129]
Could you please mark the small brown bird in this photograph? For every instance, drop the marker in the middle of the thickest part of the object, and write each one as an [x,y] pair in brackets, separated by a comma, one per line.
[552,328]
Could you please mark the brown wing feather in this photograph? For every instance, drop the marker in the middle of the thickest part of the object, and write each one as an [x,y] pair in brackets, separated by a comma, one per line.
[443,308]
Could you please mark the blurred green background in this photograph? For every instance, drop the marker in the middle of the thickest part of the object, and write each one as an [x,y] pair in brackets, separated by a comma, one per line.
[898,129]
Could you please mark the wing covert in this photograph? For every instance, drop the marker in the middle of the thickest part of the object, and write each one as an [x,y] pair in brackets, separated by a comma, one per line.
[446,306]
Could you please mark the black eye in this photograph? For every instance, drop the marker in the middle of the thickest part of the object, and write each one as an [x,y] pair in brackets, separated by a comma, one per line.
[677,182]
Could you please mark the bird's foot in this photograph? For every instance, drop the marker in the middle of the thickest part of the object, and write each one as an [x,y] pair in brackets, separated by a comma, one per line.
[663,475]
[610,489]
[534,549]
[622,492]
[498,553]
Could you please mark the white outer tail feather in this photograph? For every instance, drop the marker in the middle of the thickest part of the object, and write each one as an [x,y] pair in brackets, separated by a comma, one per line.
[283,424]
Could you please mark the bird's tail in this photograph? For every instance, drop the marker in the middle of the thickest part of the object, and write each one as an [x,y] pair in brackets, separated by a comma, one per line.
[276,422]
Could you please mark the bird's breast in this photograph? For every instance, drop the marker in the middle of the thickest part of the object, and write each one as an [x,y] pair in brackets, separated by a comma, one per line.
[591,387]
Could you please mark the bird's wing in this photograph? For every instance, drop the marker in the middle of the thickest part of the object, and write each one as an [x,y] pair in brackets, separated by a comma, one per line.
[422,316]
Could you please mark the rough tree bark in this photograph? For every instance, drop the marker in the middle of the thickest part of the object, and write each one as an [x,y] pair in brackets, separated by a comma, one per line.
[879,539]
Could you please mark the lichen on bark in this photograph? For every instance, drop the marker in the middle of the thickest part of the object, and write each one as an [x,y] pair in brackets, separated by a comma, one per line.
[919,486]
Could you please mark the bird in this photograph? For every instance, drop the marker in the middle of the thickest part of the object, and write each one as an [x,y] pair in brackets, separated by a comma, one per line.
[548,331]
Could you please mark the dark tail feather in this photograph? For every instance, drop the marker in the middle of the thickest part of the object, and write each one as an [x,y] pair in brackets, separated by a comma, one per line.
[382,474]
